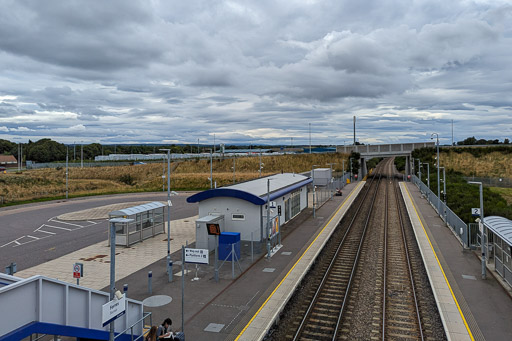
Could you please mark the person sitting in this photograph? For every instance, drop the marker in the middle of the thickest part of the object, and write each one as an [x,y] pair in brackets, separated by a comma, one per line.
[152,334]
[164,331]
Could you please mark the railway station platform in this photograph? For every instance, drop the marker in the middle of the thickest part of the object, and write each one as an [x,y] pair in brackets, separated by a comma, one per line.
[475,308]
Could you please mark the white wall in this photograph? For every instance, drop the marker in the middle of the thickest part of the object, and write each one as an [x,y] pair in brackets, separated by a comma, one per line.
[228,206]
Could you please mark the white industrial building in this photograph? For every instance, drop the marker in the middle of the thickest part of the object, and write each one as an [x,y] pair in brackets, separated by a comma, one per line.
[243,207]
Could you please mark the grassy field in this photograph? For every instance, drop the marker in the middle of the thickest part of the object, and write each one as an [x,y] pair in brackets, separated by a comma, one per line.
[506,193]
[42,184]
[490,165]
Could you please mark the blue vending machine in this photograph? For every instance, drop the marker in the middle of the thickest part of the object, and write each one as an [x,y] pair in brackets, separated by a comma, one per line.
[225,241]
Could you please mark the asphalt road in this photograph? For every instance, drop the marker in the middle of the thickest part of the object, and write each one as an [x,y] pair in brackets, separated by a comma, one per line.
[31,234]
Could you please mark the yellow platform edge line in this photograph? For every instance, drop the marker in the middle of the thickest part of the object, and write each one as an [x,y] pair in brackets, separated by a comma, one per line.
[297,262]
[439,263]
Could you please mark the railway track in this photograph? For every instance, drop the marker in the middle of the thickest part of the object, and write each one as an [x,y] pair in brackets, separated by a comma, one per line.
[365,286]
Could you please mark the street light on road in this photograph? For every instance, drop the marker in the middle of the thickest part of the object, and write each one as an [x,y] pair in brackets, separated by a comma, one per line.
[484,246]
[169,263]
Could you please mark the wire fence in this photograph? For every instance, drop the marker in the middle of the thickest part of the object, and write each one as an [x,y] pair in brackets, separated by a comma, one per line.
[457,225]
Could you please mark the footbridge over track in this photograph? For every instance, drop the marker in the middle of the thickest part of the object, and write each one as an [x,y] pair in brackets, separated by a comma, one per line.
[42,305]
[368,151]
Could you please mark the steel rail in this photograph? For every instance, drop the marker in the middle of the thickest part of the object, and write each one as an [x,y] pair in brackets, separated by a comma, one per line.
[328,271]
[347,291]
[384,290]
[413,285]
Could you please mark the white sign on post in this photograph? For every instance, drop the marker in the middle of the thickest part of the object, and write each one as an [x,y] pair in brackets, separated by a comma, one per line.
[113,309]
[475,212]
[198,256]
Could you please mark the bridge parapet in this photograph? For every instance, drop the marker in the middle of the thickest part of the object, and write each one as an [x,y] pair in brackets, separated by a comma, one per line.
[384,149]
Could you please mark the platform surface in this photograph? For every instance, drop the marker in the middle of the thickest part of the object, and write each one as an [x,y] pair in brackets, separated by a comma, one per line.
[485,304]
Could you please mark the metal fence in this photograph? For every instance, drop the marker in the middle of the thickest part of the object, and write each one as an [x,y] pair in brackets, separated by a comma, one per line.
[490,181]
[457,225]
[324,193]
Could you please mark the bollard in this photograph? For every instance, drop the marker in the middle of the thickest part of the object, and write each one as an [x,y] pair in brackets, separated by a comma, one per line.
[150,275]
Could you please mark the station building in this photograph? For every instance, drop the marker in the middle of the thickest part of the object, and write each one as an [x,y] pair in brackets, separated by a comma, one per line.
[243,207]
[499,232]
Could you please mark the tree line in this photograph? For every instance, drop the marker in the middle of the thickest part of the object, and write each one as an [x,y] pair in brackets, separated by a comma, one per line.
[47,150]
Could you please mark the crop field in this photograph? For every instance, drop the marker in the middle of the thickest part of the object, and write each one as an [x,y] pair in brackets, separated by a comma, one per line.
[42,184]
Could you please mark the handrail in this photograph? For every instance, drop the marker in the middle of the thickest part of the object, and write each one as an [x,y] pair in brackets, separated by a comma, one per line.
[131,327]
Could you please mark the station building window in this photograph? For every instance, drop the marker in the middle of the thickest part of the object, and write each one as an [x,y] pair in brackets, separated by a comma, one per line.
[238,216]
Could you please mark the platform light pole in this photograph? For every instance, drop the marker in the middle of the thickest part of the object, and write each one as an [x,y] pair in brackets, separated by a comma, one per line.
[268,218]
[113,222]
[330,165]
[419,168]
[444,191]
[438,161]
[484,246]
[314,188]
[169,263]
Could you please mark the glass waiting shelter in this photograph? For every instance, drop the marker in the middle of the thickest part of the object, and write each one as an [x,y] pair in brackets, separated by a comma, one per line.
[500,245]
[148,221]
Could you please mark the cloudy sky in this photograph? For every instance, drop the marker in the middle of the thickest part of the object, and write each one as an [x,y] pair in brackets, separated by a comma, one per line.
[261,71]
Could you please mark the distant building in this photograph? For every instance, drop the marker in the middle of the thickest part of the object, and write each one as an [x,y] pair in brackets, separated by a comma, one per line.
[8,160]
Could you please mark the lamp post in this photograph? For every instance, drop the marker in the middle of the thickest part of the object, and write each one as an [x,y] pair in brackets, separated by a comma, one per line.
[67,157]
[234,169]
[261,165]
[437,164]
[268,218]
[330,165]
[169,263]
[310,138]
[419,168]
[444,191]
[314,188]
[211,169]
[484,246]
[81,154]
[343,176]
[113,222]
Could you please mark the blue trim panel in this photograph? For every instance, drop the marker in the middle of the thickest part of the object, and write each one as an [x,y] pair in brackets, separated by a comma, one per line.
[56,329]
[226,192]
[287,190]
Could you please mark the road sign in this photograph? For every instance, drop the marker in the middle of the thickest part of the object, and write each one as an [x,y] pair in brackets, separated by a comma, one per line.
[475,212]
[198,256]
[113,309]
[78,270]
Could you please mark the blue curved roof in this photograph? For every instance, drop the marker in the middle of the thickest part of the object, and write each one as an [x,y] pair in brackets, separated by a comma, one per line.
[500,226]
[255,191]
[226,192]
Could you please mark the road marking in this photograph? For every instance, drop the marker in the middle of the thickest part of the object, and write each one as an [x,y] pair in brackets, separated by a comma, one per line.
[60,228]
[39,230]
[63,222]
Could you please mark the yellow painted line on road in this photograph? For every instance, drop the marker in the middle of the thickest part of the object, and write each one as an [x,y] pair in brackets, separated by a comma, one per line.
[297,262]
[439,263]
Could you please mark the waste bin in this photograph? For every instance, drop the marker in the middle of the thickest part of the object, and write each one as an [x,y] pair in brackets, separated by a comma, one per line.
[225,241]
